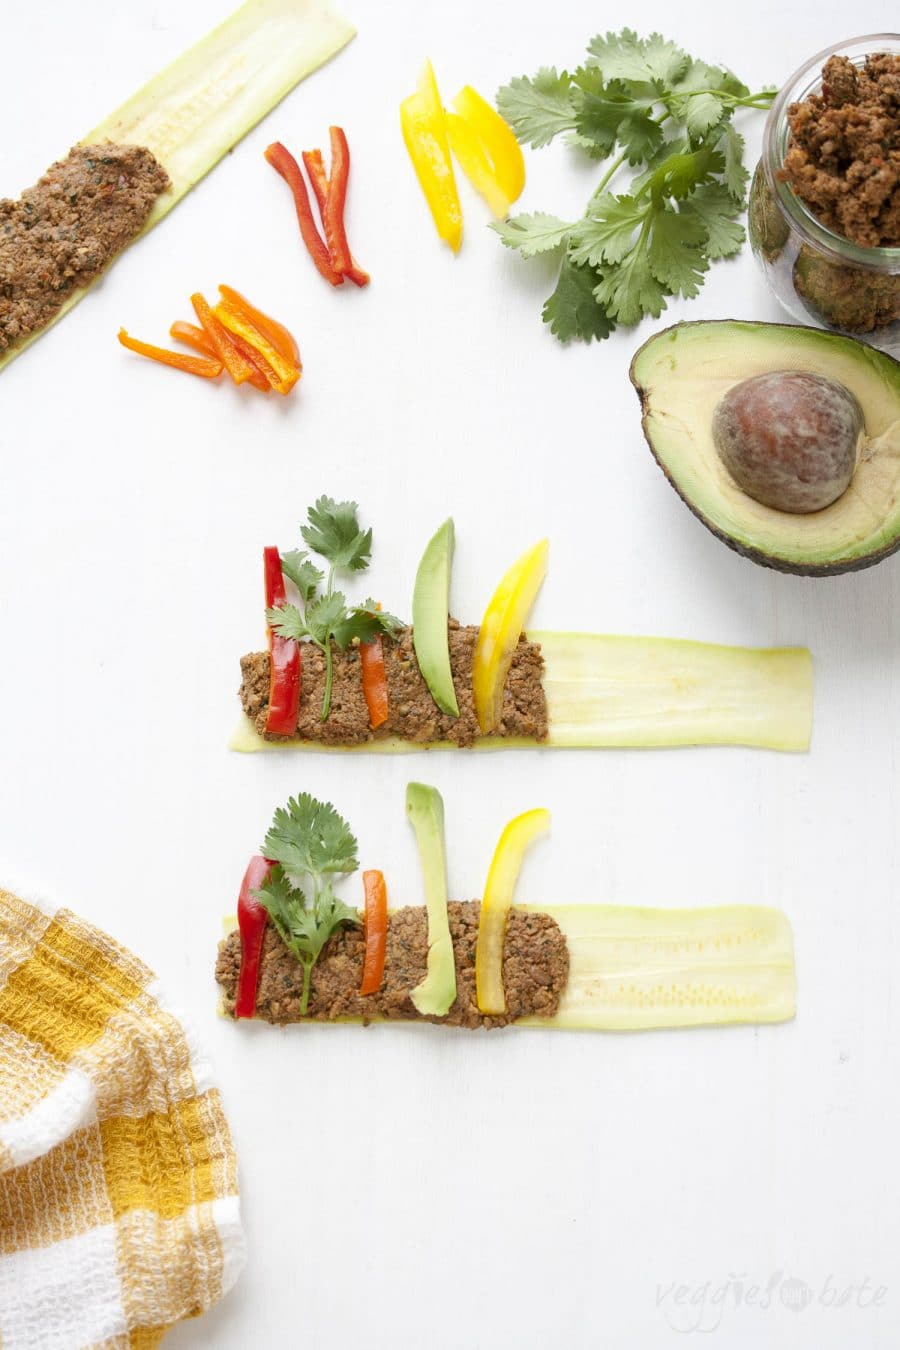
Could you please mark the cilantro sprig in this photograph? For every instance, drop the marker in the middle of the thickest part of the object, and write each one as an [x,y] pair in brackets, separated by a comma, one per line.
[669,117]
[323,615]
[309,840]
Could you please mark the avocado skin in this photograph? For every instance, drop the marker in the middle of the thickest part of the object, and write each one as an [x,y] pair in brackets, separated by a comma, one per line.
[831,569]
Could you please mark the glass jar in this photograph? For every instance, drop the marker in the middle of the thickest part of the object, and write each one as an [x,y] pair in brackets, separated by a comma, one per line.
[817,275]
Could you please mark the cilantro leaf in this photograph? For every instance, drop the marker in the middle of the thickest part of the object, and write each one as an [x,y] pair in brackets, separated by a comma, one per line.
[287,621]
[365,622]
[304,928]
[607,232]
[703,96]
[734,173]
[683,171]
[304,931]
[572,310]
[673,251]
[308,837]
[286,906]
[532,234]
[333,532]
[616,112]
[625,56]
[538,109]
[324,614]
[304,574]
[630,290]
[717,208]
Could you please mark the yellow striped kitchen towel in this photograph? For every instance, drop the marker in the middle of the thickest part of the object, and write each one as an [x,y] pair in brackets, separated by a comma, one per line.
[119,1207]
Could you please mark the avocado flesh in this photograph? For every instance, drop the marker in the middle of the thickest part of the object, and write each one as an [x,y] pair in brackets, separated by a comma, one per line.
[425,808]
[431,604]
[682,374]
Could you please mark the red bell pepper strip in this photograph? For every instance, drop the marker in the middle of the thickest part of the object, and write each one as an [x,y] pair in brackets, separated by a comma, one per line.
[314,165]
[376,932]
[252,920]
[333,215]
[279,336]
[194,365]
[374,681]
[315,168]
[284,657]
[284,163]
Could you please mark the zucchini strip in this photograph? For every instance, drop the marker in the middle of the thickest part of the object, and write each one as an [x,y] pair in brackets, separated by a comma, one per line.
[641,692]
[635,969]
[631,969]
[200,106]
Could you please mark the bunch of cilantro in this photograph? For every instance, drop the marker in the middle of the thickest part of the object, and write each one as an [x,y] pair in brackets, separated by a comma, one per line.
[307,839]
[323,615]
[669,118]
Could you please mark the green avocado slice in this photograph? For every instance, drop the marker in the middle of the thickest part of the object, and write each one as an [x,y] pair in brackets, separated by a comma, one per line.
[431,604]
[425,808]
[682,373]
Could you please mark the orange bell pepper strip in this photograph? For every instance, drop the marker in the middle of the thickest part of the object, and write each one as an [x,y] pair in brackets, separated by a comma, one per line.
[376,932]
[278,335]
[193,365]
[284,374]
[238,367]
[192,336]
[374,681]
[261,376]
[283,162]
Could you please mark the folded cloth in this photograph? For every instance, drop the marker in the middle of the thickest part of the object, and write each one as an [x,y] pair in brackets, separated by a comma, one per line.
[119,1206]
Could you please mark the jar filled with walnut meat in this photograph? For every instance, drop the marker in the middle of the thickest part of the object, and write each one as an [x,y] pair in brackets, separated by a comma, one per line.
[825,199]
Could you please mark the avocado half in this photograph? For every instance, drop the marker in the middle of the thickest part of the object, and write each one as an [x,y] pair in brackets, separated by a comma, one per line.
[680,376]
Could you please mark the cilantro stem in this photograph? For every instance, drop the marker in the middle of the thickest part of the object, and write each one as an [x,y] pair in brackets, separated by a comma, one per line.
[307,977]
[329,677]
[613,169]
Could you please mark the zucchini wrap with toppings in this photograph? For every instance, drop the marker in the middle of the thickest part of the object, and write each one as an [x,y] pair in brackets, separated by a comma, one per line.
[348,676]
[299,954]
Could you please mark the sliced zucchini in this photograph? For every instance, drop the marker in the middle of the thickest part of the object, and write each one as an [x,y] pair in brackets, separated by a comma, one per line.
[200,106]
[626,691]
[633,691]
[631,969]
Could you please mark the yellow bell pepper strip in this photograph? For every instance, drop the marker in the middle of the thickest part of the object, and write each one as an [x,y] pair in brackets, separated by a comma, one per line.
[285,374]
[498,895]
[425,133]
[498,139]
[473,161]
[501,627]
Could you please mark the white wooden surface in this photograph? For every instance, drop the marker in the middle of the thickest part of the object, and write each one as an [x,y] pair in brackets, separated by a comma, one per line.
[411,1187]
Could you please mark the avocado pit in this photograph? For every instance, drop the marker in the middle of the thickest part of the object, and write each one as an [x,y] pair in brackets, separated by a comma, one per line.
[789,439]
